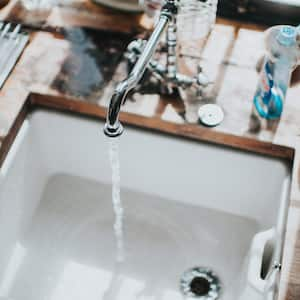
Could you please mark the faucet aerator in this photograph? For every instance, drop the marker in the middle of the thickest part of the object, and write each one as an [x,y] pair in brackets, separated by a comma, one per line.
[113,131]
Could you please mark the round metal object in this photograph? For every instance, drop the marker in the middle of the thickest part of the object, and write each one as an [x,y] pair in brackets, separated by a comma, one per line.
[201,283]
[113,132]
[211,115]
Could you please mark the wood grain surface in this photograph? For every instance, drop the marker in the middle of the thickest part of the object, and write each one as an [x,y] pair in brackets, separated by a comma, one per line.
[229,57]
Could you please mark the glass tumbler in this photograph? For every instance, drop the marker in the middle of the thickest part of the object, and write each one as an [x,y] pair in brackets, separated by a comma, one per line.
[195,20]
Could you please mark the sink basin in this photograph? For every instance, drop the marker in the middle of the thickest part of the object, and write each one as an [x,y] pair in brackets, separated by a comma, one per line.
[187,204]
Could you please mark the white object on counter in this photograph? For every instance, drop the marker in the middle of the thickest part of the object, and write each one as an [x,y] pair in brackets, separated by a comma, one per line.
[211,115]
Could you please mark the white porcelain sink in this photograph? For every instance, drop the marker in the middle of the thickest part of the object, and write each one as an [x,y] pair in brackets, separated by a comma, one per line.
[187,204]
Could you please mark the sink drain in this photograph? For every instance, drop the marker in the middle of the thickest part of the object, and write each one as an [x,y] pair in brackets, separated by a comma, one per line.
[200,283]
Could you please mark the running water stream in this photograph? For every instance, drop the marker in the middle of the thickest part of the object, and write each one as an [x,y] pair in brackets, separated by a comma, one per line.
[116,197]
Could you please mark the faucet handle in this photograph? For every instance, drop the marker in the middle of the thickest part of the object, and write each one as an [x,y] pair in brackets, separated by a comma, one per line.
[134,50]
[201,78]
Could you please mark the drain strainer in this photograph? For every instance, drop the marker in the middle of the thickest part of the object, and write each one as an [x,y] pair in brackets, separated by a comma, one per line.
[200,283]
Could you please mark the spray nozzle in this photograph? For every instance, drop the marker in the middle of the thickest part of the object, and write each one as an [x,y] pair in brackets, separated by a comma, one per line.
[287,35]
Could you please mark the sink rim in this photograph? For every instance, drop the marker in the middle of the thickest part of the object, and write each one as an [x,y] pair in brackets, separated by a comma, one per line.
[186,131]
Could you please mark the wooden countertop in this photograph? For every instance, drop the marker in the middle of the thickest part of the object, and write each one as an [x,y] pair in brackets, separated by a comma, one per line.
[229,57]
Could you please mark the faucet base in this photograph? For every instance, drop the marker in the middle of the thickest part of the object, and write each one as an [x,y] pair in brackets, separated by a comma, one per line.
[113,131]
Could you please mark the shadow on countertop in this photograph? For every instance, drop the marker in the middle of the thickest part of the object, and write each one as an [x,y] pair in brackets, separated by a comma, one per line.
[91,63]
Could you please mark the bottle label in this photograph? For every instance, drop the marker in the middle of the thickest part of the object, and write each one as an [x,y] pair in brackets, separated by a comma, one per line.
[267,83]
[268,100]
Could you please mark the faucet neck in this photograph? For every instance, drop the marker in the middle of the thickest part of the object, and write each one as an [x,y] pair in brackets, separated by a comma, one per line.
[113,127]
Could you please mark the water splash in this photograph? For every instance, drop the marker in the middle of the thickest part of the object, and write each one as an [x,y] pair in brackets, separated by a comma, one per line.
[116,197]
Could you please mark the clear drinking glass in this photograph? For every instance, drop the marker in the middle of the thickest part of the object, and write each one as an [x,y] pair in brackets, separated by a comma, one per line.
[195,17]
[195,20]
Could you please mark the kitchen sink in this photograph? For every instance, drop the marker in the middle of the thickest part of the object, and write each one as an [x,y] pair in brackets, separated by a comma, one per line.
[188,205]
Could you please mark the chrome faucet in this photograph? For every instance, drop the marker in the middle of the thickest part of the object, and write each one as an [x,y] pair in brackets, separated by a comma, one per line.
[113,127]
[141,53]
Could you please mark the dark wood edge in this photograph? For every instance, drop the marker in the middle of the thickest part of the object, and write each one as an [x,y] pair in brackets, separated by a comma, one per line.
[192,132]
[9,139]
[155,124]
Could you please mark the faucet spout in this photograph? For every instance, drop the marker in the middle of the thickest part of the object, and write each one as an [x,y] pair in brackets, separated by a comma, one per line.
[113,127]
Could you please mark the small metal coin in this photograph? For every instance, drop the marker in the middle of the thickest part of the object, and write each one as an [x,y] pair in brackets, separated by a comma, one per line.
[211,115]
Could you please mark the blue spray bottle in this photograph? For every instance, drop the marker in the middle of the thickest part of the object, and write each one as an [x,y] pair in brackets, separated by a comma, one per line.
[282,57]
